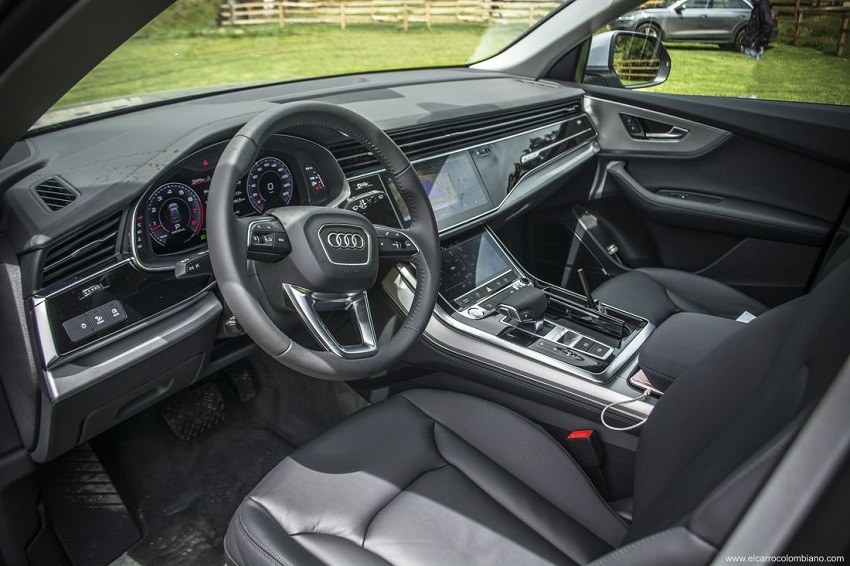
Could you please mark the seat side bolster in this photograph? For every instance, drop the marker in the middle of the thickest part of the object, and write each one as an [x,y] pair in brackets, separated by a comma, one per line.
[254,537]
[671,547]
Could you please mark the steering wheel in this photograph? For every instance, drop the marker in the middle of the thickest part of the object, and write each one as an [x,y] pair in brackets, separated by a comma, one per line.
[322,258]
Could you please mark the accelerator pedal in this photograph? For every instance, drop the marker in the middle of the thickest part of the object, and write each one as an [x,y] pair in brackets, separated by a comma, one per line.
[240,377]
[194,412]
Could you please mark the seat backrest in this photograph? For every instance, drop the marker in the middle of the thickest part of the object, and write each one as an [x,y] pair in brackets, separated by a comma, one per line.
[736,401]
[840,256]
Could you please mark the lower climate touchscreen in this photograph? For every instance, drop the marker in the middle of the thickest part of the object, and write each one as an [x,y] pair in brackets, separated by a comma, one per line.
[473,270]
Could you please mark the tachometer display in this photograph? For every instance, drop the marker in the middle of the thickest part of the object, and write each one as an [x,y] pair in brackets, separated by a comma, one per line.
[175,215]
[269,184]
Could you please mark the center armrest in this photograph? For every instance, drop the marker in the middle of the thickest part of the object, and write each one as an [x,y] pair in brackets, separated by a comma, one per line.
[679,342]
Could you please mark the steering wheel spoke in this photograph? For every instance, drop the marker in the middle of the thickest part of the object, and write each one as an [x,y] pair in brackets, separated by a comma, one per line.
[309,304]
[395,244]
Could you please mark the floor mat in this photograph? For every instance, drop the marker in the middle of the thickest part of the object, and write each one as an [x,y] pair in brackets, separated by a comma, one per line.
[183,494]
[88,514]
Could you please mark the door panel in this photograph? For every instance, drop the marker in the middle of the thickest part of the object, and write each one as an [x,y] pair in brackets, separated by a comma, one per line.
[690,22]
[732,200]
[724,17]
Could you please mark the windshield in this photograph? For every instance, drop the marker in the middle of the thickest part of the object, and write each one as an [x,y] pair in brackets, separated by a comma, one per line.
[208,45]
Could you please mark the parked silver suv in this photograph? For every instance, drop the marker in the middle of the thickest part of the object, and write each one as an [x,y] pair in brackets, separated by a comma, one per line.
[704,21]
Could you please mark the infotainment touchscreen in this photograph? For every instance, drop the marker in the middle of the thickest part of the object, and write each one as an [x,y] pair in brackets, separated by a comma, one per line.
[454,188]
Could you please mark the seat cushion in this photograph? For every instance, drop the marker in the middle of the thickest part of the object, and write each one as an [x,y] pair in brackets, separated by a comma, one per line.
[656,293]
[426,477]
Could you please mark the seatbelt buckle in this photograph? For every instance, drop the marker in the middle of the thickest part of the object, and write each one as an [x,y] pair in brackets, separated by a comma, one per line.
[585,448]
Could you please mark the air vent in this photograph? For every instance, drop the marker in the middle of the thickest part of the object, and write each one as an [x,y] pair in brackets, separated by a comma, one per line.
[433,139]
[55,194]
[91,247]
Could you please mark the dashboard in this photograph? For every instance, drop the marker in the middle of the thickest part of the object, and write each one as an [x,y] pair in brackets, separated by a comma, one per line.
[112,328]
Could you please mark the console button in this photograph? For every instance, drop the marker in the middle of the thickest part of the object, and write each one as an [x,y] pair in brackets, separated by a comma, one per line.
[584,344]
[493,286]
[78,328]
[115,312]
[475,312]
[568,337]
[98,319]
[599,350]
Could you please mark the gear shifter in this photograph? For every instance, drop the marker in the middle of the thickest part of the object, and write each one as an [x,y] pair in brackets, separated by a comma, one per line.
[525,308]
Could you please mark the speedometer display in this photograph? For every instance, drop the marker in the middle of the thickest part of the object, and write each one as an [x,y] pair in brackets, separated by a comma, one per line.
[269,184]
[175,215]
[171,215]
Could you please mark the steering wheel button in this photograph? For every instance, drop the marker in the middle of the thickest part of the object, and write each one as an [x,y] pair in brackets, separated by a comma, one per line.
[264,227]
[281,243]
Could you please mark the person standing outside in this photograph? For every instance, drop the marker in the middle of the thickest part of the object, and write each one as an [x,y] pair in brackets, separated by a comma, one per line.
[758,30]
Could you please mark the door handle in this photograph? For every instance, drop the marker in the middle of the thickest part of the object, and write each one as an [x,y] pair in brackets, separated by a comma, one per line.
[675,133]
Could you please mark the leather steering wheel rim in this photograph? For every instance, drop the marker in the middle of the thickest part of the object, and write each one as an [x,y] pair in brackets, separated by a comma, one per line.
[228,242]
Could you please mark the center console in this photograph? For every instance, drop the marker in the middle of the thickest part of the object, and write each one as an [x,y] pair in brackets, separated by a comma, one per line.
[487,294]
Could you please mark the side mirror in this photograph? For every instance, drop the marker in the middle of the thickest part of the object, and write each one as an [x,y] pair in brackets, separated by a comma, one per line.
[626,59]
[679,9]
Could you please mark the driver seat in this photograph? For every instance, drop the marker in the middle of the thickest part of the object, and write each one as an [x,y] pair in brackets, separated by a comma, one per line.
[434,477]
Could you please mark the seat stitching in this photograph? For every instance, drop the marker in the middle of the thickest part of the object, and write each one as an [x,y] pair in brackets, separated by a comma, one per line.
[629,547]
[317,534]
[256,543]
[497,502]
[661,374]
[549,438]
[394,497]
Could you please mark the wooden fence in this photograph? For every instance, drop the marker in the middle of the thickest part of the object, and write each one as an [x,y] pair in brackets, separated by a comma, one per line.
[822,17]
[826,19]
[404,12]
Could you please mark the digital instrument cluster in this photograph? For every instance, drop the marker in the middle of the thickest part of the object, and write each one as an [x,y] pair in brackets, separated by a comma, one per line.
[171,216]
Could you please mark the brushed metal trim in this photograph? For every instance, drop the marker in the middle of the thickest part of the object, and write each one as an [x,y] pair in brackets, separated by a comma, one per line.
[450,335]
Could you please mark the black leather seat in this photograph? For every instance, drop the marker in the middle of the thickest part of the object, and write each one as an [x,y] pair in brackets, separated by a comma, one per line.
[657,293]
[432,477]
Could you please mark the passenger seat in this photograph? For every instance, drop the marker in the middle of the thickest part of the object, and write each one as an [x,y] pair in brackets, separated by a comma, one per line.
[656,293]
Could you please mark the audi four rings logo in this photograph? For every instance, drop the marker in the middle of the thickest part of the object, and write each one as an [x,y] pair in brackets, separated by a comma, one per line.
[345,241]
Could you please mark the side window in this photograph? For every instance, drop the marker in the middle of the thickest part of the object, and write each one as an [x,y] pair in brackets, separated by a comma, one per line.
[792,50]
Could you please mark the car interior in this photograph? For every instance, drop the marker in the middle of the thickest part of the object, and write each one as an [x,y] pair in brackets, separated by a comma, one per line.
[509,313]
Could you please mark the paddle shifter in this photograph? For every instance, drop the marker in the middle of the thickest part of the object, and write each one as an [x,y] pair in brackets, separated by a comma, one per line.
[525,308]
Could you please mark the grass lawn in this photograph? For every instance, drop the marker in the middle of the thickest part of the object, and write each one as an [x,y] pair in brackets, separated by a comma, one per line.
[785,72]
[298,51]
